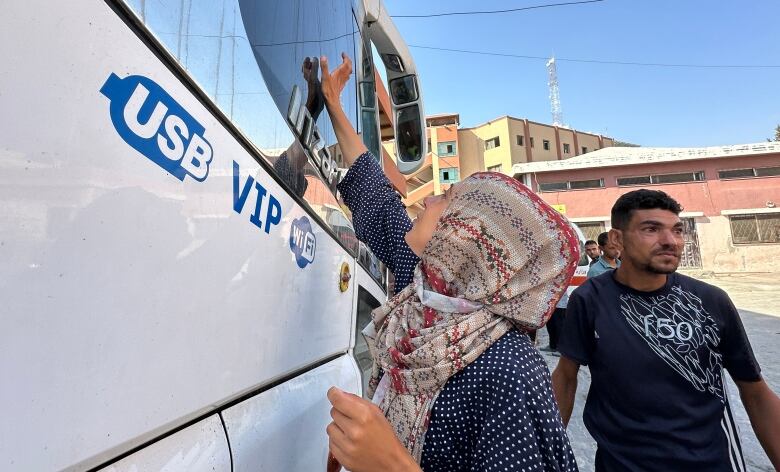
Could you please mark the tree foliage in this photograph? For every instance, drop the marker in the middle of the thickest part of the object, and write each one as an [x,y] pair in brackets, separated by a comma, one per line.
[625,144]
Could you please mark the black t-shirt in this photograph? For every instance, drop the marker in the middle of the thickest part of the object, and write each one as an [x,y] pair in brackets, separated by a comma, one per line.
[657,398]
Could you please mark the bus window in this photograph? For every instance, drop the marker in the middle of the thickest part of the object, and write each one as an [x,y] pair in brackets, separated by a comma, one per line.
[258,61]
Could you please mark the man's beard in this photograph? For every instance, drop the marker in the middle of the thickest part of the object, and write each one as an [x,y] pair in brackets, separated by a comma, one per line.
[657,269]
[652,268]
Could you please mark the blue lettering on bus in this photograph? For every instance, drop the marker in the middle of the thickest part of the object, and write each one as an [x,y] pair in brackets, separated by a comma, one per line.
[273,210]
[154,124]
[303,243]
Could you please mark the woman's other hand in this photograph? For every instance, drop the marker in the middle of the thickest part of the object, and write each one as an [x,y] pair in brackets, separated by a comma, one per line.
[361,438]
[333,83]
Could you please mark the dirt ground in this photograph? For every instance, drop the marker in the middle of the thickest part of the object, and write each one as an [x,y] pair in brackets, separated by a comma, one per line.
[759,293]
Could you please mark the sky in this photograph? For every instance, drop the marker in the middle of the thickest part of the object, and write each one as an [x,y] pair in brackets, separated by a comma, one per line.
[649,106]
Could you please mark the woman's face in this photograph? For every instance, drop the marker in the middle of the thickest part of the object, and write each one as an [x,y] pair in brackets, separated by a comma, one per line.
[425,224]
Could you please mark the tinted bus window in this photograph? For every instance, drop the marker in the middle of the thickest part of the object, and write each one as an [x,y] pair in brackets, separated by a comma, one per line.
[253,78]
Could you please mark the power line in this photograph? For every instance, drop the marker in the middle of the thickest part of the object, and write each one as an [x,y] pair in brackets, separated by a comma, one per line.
[489,12]
[603,62]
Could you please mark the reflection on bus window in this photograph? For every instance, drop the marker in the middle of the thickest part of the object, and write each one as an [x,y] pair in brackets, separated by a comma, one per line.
[366,304]
[373,265]
[254,59]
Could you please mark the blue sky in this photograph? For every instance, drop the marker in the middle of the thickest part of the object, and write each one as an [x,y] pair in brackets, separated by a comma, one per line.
[650,106]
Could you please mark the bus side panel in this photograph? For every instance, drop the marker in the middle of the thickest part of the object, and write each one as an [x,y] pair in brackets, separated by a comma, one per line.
[284,428]
[201,447]
[140,289]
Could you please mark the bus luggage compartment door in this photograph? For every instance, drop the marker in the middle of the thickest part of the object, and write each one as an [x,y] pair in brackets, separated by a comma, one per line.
[284,428]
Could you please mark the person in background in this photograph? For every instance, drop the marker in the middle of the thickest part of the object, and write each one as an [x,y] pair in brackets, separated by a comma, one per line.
[592,250]
[555,325]
[609,257]
[458,383]
[657,343]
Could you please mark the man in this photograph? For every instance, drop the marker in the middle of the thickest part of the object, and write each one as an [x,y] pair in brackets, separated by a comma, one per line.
[609,257]
[555,324]
[656,343]
[592,250]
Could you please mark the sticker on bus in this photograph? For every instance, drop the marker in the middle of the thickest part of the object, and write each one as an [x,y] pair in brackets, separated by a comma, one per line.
[303,243]
[154,124]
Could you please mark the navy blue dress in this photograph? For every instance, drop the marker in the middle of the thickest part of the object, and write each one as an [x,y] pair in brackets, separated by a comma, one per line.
[497,414]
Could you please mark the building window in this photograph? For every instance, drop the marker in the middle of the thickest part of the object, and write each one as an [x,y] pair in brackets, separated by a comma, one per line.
[430,149]
[553,186]
[448,175]
[492,143]
[494,168]
[565,148]
[755,229]
[591,229]
[546,145]
[571,185]
[584,150]
[446,148]
[661,179]
[531,140]
[520,140]
[748,173]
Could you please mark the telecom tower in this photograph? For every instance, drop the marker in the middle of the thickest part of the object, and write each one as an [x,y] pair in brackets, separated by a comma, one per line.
[555,99]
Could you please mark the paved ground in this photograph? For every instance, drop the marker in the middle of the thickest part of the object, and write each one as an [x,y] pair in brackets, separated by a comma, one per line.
[758,299]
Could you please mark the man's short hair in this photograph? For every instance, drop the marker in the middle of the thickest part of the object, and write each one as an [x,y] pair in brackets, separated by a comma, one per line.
[603,239]
[642,199]
[589,242]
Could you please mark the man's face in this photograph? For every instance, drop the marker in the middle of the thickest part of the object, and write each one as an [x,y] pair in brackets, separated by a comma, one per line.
[592,250]
[610,250]
[653,241]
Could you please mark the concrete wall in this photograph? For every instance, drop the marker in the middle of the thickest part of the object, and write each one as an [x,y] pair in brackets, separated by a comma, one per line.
[500,155]
[587,140]
[541,132]
[720,254]
[519,153]
[566,136]
[438,135]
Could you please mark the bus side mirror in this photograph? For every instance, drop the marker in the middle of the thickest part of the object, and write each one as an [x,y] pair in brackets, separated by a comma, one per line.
[403,85]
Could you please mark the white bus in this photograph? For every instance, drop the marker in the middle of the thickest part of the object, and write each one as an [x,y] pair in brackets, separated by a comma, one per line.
[173,253]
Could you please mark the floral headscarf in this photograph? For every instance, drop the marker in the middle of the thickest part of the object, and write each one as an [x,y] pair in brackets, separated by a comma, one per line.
[500,258]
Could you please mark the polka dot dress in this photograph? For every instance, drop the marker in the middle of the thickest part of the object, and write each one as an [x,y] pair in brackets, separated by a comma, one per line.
[379,217]
[497,414]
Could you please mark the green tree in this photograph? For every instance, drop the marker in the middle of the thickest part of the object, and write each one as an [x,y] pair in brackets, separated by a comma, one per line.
[625,144]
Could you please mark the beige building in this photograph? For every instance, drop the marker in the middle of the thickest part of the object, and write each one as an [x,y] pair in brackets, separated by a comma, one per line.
[501,143]
[454,153]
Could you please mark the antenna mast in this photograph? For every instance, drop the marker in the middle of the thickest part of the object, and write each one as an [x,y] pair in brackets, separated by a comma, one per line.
[555,99]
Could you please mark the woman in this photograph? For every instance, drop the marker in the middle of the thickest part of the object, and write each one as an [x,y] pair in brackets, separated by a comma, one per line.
[458,383]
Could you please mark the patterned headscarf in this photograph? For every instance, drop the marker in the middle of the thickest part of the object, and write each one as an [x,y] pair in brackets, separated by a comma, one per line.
[500,257]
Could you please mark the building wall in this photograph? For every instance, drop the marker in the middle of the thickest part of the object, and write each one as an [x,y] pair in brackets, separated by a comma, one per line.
[589,141]
[473,156]
[541,132]
[720,254]
[440,134]
[566,136]
[471,153]
[704,201]
[519,154]
[500,155]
